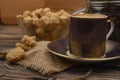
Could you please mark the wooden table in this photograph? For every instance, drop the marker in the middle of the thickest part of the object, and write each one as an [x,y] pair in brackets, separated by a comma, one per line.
[10,34]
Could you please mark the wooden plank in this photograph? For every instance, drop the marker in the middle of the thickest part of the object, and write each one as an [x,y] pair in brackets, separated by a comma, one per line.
[12,28]
[11,33]
[2,36]
[9,41]
[18,73]
[9,36]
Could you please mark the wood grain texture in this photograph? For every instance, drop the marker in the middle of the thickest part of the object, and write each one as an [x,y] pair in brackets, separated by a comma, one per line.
[106,71]
[9,36]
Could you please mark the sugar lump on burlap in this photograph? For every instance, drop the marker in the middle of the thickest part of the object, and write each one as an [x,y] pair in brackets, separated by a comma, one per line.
[39,59]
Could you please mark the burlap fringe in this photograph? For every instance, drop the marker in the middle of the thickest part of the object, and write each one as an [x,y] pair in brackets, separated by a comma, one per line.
[41,60]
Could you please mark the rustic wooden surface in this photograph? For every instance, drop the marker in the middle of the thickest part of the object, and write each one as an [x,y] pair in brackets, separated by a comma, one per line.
[10,34]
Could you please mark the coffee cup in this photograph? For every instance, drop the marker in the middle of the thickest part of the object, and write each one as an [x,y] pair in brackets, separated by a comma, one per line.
[88,34]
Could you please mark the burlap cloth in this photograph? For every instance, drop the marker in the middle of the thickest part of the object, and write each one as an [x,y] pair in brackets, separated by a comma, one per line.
[39,59]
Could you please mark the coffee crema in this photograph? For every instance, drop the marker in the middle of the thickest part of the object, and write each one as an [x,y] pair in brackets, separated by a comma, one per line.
[89,16]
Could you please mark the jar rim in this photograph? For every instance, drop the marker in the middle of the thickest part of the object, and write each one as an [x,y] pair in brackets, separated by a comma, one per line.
[103,2]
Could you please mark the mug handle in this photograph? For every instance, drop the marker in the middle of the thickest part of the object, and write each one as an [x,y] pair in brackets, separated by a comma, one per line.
[111,29]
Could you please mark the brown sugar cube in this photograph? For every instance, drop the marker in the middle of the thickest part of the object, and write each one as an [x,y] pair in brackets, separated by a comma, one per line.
[23,46]
[53,17]
[26,13]
[15,54]
[39,12]
[27,20]
[45,10]
[30,41]
[59,13]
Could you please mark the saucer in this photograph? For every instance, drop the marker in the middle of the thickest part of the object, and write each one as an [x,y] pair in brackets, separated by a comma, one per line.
[61,47]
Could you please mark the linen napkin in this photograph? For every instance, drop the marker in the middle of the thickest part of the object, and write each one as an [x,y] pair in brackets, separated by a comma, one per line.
[40,59]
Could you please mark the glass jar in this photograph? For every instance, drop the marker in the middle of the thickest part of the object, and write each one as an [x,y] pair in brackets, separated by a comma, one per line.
[111,8]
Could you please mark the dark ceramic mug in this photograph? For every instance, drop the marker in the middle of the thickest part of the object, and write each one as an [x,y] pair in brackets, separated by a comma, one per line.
[88,35]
